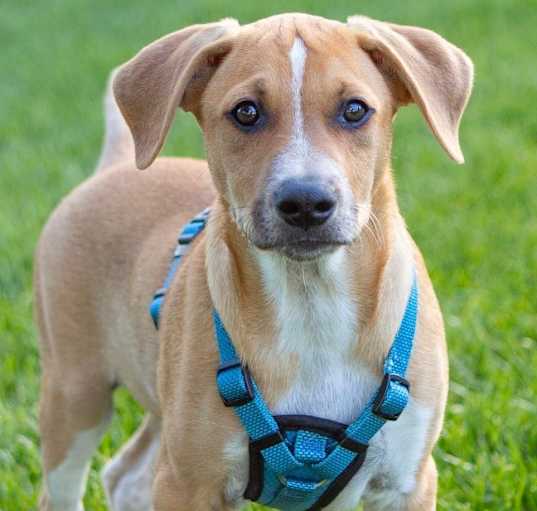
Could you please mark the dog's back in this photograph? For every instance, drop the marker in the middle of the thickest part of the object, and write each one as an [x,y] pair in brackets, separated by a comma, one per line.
[117,227]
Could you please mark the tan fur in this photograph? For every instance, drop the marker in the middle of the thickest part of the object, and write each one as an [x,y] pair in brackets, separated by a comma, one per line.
[106,248]
[118,146]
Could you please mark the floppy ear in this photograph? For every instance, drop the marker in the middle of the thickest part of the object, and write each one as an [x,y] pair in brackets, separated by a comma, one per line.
[427,69]
[169,73]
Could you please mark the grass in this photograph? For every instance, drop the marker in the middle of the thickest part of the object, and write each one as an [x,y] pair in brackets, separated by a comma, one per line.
[475,224]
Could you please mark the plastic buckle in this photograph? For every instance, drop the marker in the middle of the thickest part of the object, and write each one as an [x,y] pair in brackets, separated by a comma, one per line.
[202,217]
[159,292]
[351,445]
[156,304]
[189,233]
[247,396]
[388,397]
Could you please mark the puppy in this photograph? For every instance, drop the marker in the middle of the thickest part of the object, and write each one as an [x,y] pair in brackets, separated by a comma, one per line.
[306,260]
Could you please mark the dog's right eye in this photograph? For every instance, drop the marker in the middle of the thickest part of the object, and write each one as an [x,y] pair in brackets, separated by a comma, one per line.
[246,114]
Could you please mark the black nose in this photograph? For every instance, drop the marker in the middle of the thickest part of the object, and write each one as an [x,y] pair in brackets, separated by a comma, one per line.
[304,204]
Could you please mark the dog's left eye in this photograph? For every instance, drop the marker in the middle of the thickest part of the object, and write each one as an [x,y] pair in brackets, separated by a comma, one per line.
[355,113]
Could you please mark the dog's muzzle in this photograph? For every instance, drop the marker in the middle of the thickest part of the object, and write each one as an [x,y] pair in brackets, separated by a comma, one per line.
[300,218]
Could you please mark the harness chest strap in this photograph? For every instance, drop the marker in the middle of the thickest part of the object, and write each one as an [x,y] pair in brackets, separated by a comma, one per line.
[300,463]
[295,484]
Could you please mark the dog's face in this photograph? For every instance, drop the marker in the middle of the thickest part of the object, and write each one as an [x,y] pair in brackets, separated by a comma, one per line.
[295,138]
[296,112]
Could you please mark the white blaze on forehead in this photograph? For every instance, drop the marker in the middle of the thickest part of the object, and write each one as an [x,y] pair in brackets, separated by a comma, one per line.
[297,57]
[292,162]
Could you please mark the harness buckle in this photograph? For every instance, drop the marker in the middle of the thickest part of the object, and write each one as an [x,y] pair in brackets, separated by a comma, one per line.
[392,397]
[234,384]
[190,231]
[156,304]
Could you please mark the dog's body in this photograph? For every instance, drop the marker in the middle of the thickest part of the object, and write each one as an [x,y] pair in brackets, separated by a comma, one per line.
[313,323]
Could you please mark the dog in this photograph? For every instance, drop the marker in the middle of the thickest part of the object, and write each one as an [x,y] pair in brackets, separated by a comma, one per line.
[306,258]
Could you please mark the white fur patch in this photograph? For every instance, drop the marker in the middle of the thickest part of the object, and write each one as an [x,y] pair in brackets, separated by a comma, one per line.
[293,159]
[118,143]
[66,483]
[393,457]
[297,57]
[236,457]
[317,318]
[399,448]
[133,489]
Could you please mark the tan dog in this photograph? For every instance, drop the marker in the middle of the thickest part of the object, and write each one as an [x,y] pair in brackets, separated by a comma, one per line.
[306,257]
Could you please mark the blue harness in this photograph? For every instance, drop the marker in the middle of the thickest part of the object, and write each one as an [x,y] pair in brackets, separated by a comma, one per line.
[298,462]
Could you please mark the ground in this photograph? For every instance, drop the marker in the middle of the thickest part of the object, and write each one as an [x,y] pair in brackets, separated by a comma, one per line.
[476,224]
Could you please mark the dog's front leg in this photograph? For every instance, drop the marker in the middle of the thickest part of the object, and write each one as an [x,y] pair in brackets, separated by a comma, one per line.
[172,492]
[421,498]
[168,493]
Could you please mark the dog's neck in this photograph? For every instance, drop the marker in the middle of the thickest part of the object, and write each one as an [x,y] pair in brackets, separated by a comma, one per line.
[280,310]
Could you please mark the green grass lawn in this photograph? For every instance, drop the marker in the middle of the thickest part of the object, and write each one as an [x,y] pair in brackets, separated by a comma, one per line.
[476,224]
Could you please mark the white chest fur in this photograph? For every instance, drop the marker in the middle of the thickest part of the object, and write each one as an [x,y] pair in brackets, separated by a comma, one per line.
[317,319]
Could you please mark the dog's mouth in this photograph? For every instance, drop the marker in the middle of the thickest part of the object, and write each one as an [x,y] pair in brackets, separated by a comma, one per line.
[303,249]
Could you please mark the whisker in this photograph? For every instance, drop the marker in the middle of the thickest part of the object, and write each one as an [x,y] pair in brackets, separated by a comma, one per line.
[377,226]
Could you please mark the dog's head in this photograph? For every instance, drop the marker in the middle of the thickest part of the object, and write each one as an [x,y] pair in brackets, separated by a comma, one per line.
[296,113]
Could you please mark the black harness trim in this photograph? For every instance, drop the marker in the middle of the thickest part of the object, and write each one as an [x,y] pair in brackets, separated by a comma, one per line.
[333,429]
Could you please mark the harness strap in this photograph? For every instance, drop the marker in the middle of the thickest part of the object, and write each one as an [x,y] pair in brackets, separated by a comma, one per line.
[239,391]
[393,394]
[186,236]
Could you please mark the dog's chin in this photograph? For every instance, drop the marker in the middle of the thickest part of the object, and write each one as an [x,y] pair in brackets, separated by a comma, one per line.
[304,250]
[299,245]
